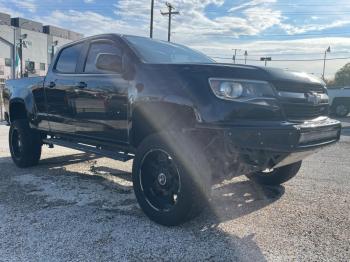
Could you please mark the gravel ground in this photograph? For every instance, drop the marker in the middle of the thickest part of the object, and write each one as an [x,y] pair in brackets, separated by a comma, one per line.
[78,207]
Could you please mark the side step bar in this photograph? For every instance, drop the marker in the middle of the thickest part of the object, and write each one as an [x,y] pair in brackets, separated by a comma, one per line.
[119,156]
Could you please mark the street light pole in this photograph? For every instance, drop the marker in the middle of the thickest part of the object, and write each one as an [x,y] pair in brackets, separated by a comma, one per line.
[54,44]
[14,75]
[328,50]
[22,37]
[20,51]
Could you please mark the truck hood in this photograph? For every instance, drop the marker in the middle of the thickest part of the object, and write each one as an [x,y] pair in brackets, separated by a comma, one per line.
[218,70]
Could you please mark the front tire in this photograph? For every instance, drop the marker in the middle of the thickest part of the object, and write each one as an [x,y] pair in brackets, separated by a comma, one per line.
[277,176]
[25,144]
[171,178]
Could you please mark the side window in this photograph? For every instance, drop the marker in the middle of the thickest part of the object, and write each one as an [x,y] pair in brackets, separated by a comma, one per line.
[96,49]
[68,59]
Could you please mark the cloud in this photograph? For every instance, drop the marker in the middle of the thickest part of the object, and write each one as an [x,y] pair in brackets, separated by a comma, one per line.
[29,5]
[263,18]
[198,27]
[292,30]
[250,4]
[312,48]
[7,10]
[90,23]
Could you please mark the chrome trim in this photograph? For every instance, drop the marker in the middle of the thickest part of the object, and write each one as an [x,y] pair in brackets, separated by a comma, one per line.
[291,95]
[304,95]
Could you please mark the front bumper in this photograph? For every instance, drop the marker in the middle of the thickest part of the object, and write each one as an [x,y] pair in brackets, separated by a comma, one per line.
[271,145]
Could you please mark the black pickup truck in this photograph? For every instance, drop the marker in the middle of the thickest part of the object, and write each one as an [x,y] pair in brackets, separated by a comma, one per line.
[186,120]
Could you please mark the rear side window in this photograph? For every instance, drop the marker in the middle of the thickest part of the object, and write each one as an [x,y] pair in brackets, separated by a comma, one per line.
[67,62]
[103,47]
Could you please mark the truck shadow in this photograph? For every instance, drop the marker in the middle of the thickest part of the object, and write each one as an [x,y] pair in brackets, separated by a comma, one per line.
[69,159]
[241,198]
[230,201]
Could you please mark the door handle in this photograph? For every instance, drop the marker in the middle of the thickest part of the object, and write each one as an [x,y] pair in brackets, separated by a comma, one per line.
[81,85]
[52,84]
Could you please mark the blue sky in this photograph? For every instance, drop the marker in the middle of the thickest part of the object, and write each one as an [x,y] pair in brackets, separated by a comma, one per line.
[283,29]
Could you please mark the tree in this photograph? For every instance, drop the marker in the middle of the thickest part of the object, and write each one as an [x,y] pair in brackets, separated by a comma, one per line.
[342,77]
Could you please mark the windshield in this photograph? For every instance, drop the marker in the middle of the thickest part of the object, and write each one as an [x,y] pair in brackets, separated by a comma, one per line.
[160,52]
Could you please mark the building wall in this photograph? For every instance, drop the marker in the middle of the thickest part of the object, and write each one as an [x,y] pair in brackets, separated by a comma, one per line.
[6,50]
[39,50]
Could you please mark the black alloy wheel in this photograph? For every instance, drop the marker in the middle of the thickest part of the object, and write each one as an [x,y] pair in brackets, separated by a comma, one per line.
[160,180]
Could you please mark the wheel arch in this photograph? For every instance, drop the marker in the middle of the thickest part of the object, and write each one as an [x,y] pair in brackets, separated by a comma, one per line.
[341,100]
[17,110]
[151,118]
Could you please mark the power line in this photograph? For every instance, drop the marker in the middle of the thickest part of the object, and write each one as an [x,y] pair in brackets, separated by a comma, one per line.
[269,35]
[286,60]
[288,54]
[328,13]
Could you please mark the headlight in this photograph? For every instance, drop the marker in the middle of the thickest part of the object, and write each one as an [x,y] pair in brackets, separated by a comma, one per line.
[241,90]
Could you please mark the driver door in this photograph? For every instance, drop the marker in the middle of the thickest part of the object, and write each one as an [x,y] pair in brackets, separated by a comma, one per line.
[101,102]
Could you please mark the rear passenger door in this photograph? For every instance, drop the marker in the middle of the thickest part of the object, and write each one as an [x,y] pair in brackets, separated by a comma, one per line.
[102,100]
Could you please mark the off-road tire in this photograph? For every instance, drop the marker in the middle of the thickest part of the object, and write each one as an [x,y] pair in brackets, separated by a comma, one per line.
[30,144]
[278,176]
[194,176]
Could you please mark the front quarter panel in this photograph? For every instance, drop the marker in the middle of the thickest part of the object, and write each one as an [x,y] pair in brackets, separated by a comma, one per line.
[165,90]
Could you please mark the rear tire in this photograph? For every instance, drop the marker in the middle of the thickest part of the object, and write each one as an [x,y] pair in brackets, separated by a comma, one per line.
[277,176]
[25,144]
[171,178]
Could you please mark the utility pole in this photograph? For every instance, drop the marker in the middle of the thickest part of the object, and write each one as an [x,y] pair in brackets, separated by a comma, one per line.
[245,56]
[235,55]
[328,50]
[151,26]
[169,13]
[265,59]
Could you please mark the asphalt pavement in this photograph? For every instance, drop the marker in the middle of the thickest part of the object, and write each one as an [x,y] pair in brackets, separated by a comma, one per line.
[79,207]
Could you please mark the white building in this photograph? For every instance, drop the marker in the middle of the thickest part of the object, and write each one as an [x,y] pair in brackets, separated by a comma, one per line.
[38,45]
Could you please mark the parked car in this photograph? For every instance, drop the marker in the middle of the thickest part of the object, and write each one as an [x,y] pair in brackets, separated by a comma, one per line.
[184,119]
[339,99]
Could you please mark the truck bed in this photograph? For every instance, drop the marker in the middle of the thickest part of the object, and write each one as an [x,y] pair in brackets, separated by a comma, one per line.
[23,82]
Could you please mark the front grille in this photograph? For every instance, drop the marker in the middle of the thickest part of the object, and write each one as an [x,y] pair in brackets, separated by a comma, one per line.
[297,111]
[299,88]
[299,108]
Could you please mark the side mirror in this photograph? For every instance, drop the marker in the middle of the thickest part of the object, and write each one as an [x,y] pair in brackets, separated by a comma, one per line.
[109,62]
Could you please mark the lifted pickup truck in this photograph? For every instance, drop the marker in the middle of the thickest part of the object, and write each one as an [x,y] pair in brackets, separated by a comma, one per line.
[184,119]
